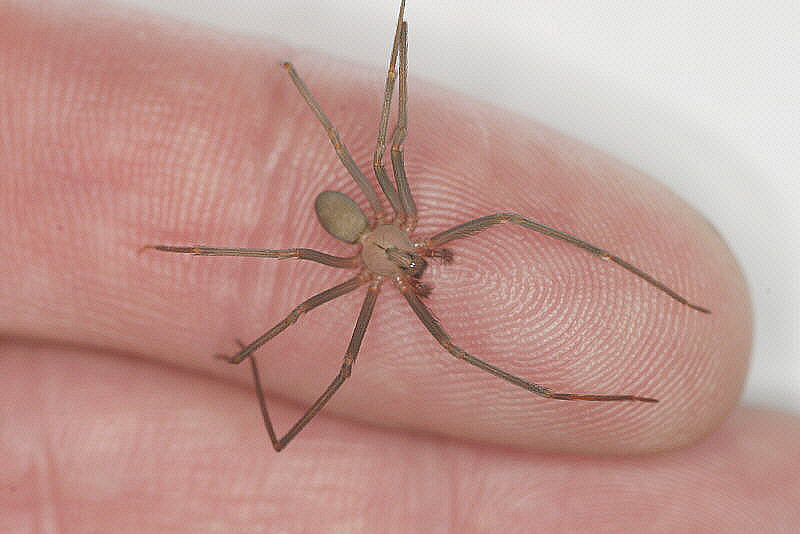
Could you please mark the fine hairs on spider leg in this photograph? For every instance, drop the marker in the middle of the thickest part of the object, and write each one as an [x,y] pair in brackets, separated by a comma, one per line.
[387,249]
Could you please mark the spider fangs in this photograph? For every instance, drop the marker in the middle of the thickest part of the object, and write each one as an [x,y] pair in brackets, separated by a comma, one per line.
[387,251]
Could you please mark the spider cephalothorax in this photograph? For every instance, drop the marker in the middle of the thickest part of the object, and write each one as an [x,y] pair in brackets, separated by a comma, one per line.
[387,251]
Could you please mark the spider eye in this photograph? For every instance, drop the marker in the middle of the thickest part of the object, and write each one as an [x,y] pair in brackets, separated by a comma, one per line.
[416,266]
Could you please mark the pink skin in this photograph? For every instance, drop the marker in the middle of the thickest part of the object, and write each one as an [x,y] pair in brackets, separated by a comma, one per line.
[119,131]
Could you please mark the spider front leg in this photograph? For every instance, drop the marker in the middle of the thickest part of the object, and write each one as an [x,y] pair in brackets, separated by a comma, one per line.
[436,330]
[474,226]
[344,372]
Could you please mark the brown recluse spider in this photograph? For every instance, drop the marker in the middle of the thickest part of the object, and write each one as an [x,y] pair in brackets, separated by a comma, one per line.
[387,250]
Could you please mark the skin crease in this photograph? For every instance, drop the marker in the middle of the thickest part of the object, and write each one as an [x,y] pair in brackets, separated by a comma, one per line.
[121,130]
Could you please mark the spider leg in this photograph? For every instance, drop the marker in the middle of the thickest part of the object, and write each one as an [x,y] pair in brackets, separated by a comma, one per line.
[281,254]
[380,146]
[482,223]
[344,372]
[436,330]
[341,149]
[294,315]
[399,135]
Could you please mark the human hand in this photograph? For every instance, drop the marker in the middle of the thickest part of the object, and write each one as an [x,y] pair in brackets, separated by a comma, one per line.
[127,131]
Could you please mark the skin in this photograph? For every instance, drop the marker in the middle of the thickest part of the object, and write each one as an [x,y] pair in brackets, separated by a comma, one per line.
[113,414]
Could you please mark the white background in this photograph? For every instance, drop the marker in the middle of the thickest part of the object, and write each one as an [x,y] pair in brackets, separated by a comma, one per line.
[701,95]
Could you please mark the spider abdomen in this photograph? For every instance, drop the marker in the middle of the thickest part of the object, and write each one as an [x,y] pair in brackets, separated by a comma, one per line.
[340,216]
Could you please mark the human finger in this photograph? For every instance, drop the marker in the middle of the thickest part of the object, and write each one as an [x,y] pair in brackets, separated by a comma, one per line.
[194,138]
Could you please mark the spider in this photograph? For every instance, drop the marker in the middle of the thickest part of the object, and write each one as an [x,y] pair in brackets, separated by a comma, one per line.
[388,250]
